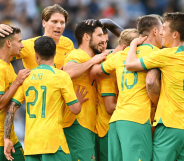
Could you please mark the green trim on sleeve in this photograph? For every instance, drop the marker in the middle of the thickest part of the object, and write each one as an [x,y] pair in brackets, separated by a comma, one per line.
[104,70]
[108,94]
[17,102]
[1,92]
[72,61]
[72,102]
[14,58]
[142,63]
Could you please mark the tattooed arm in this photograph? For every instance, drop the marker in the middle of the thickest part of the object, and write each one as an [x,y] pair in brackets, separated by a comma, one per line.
[8,145]
[153,85]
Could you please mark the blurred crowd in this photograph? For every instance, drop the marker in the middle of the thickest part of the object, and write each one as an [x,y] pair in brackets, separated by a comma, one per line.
[26,14]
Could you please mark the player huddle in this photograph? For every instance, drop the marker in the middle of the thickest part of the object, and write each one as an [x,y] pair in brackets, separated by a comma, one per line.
[91,103]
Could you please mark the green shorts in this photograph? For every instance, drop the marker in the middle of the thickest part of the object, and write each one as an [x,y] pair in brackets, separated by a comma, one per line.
[18,155]
[102,148]
[129,141]
[168,144]
[58,156]
[81,142]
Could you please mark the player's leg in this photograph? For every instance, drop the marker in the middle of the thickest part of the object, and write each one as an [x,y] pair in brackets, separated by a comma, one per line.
[103,148]
[181,155]
[19,153]
[114,146]
[136,140]
[167,143]
[33,157]
[97,147]
[81,142]
[58,156]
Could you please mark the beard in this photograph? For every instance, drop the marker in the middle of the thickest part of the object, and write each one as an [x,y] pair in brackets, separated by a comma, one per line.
[94,47]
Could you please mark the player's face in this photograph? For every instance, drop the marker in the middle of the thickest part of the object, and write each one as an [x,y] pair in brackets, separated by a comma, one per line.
[55,26]
[16,45]
[96,41]
[159,35]
[105,41]
[167,35]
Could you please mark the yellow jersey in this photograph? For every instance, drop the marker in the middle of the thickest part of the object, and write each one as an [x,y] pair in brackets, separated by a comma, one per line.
[7,77]
[170,107]
[105,87]
[64,46]
[87,116]
[45,90]
[133,101]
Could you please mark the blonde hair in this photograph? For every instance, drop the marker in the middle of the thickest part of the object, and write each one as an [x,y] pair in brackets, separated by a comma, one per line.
[48,11]
[127,36]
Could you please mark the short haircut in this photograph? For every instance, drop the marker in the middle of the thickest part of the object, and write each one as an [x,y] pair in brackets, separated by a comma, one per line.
[50,10]
[16,30]
[45,47]
[127,36]
[83,28]
[146,23]
[105,31]
[176,22]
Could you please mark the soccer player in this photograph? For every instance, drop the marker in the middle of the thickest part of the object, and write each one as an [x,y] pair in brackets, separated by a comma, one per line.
[54,19]
[45,91]
[107,96]
[10,46]
[130,136]
[168,142]
[77,64]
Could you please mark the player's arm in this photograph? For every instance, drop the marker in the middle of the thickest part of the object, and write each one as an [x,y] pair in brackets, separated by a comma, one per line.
[5,30]
[109,24]
[96,72]
[153,85]
[8,145]
[132,63]
[76,107]
[76,69]
[6,97]
[110,103]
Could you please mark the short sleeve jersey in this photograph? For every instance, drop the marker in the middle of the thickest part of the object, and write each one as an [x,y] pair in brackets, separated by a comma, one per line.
[105,87]
[7,77]
[171,101]
[87,116]
[133,101]
[63,48]
[45,91]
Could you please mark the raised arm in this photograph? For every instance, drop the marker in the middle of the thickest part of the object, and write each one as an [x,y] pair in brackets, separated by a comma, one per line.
[5,30]
[153,85]
[132,63]
[8,145]
[76,69]
[6,97]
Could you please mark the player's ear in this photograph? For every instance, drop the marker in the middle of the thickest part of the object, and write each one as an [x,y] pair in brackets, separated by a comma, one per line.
[44,23]
[176,34]
[36,56]
[154,31]
[86,37]
[8,43]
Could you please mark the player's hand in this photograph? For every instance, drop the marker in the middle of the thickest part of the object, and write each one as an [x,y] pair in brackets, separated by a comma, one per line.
[22,75]
[3,30]
[81,94]
[98,58]
[90,22]
[139,40]
[8,148]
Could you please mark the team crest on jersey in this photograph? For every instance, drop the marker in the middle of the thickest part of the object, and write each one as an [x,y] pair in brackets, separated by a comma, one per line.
[93,157]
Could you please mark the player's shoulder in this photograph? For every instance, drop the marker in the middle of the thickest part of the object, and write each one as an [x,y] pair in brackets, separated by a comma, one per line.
[61,74]
[65,41]
[79,54]
[29,42]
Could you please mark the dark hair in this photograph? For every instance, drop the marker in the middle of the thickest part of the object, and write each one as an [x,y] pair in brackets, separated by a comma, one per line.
[48,11]
[176,22]
[146,23]
[45,47]
[16,30]
[83,28]
[105,31]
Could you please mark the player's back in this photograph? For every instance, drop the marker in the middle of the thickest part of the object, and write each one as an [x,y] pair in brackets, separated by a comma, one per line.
[133,101]
[43,91]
